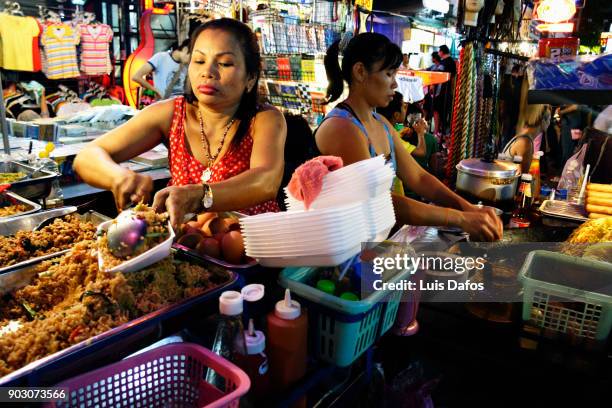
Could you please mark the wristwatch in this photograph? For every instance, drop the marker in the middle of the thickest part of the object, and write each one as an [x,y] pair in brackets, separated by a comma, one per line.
[207,199]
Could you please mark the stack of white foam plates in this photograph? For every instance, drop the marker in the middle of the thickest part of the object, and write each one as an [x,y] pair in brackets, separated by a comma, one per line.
[354,207]
[380,216]
[356,182]
[306,238]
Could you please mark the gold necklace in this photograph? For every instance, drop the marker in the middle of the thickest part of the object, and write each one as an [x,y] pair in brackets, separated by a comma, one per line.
[209,157]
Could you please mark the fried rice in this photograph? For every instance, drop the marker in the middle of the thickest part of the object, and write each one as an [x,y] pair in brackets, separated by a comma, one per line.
[12,209]
[71,300]
[58,236]
[157,232]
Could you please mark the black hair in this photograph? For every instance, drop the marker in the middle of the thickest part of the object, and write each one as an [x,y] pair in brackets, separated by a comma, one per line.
[299,148]
[435,57]
[394,106]
[414,108]
[176,46]
[443,48]
[516,68]
[247,39]
[367,48]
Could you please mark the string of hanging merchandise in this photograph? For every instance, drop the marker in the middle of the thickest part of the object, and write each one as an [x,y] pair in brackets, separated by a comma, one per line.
[481,120]
[473,113]
[456,117]
[463,125]
[467,135]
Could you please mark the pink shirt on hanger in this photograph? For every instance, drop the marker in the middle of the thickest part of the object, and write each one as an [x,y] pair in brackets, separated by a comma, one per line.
[95,58]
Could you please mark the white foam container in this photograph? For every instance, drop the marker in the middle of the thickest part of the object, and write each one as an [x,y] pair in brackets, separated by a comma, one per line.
[333,259]
[147,258]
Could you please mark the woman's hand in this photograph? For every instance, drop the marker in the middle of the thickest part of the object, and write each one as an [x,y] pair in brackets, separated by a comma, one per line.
[130,187]
[178,201]
[482,224]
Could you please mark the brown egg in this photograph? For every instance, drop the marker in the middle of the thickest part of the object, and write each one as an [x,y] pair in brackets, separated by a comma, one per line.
[206,226]
[194,224]
[202,218]
[233,247]
[217,225]
[232,224]
[219,237]
[191,240]
[210,247]
[186,230]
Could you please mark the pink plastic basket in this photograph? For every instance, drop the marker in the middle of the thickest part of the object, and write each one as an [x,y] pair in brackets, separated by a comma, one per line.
[168,376]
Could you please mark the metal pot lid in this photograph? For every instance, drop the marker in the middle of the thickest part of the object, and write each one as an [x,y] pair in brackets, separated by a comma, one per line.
[497,169]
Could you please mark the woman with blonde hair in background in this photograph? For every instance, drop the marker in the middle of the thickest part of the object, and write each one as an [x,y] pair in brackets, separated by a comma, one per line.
[532,125]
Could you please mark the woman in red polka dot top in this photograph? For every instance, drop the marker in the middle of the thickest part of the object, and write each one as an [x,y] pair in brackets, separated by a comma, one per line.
[226,151]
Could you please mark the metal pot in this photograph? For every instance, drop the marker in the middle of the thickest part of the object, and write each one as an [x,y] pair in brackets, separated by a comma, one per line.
[491,181]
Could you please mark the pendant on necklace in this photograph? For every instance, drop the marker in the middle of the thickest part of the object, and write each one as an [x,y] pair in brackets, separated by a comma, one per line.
[206,175]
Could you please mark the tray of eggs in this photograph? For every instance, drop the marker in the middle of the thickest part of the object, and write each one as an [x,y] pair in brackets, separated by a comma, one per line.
[217,238]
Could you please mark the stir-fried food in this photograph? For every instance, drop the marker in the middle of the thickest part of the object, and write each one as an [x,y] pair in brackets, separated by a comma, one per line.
[156,232]
[593,240]
[71,300]
[12,210]
[58,236]
[11,177]
[593,231]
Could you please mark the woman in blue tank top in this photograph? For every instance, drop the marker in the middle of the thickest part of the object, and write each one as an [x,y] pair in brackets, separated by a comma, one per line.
[353,131]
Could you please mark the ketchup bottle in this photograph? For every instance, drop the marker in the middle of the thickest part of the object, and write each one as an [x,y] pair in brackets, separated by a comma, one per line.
[287,340]
[255,361]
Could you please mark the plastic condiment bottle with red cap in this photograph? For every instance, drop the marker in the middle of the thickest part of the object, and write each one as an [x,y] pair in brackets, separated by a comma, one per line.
[287,344]
[255,362]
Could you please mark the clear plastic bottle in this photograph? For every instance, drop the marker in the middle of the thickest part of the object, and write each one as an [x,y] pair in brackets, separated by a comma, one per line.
[56,195]
[229,338]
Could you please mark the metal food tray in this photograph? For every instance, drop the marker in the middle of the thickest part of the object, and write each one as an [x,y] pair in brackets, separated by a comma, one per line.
[27,222]
[115,343]
[36,184]
[91,216]
[564,210]
[8,198]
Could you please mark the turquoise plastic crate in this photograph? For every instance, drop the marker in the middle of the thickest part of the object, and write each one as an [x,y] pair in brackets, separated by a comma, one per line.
[568,295]
[342,330]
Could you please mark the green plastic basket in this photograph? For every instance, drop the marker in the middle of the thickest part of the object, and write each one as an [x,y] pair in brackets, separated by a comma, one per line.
[568,295]
[342,330]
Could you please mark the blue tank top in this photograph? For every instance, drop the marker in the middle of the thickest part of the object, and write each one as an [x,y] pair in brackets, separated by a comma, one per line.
[339,112]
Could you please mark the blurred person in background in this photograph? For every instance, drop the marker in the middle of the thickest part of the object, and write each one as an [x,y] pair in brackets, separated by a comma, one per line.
[511,103]
[443,103]
[396,113]
[534,122]
[573,122]
[434,90]
[169,69]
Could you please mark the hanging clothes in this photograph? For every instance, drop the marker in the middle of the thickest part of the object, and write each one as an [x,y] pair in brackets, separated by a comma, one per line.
[60,41]
[19,49]
[95,58]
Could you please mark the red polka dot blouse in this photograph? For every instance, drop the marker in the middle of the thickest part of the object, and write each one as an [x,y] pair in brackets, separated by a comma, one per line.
[186,169]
